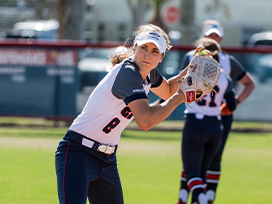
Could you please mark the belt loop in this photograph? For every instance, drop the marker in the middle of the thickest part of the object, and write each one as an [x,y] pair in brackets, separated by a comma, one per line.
[87,143]
[199,116]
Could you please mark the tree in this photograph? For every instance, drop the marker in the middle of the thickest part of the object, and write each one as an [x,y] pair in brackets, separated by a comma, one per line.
[138,9]
[70,14]
[157,20]
[217,6]
[61,16]
[188,27]
[43,9]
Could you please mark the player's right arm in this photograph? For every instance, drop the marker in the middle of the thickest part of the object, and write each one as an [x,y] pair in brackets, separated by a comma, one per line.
[128,86]
[147,116]
[169,87]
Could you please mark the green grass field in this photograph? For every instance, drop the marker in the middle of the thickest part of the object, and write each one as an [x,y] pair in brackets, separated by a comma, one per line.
[149,165]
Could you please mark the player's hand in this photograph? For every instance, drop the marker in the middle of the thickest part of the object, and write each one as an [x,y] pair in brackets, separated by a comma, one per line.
[182,96]
[225,110]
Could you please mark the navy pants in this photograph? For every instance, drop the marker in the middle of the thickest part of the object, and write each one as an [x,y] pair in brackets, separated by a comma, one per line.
[216,161]
[83,172]
[200,141]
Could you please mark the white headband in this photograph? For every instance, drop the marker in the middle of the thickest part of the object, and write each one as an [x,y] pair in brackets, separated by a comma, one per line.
[213,29]
[154,37]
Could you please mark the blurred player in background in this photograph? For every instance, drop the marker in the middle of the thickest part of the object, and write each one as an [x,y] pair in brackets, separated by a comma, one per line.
[231,67]
[85,159]
[202,132]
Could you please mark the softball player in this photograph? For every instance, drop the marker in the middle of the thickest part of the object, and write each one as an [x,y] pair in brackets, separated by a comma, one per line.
[231,67]
[202,133]
[85,158]
[214,30]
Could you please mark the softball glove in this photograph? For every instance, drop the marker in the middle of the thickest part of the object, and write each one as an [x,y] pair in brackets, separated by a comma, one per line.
[202,75]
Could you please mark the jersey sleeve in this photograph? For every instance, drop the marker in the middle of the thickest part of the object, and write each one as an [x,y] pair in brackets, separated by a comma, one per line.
[230,96]
[185,61]
[155,78]
[128,84]
[237,69]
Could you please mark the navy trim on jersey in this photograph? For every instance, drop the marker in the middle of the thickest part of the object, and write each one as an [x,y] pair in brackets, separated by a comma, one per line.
[241,76]
[154,75]
[134,97]
[237,70]
[128,79]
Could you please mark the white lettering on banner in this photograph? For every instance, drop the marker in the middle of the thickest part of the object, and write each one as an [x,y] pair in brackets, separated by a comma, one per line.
[22,57]
[66,75]
[18,78]
[11,70]
[59,72]
[65,59]
[67,80]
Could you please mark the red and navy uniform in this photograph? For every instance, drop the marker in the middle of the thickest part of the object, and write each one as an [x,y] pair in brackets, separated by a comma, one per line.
[81,168]
[232,68]
[202,134]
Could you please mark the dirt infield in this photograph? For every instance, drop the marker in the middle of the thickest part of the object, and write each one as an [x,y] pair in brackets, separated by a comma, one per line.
[32,143]
[249,127]
[166,125]
[141,147]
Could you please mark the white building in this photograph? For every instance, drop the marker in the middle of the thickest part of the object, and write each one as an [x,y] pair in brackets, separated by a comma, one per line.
[245,18]
[111,20]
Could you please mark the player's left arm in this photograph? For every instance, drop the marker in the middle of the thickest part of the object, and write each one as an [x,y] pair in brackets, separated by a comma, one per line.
[147,116]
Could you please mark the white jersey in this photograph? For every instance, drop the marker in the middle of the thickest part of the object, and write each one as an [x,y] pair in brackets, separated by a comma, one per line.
[106,113]
[224,61]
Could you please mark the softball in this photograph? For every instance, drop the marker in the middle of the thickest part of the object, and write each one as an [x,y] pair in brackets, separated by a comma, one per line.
[203,53]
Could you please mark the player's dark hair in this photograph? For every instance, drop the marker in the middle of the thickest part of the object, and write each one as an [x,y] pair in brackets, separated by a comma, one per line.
[211,45]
